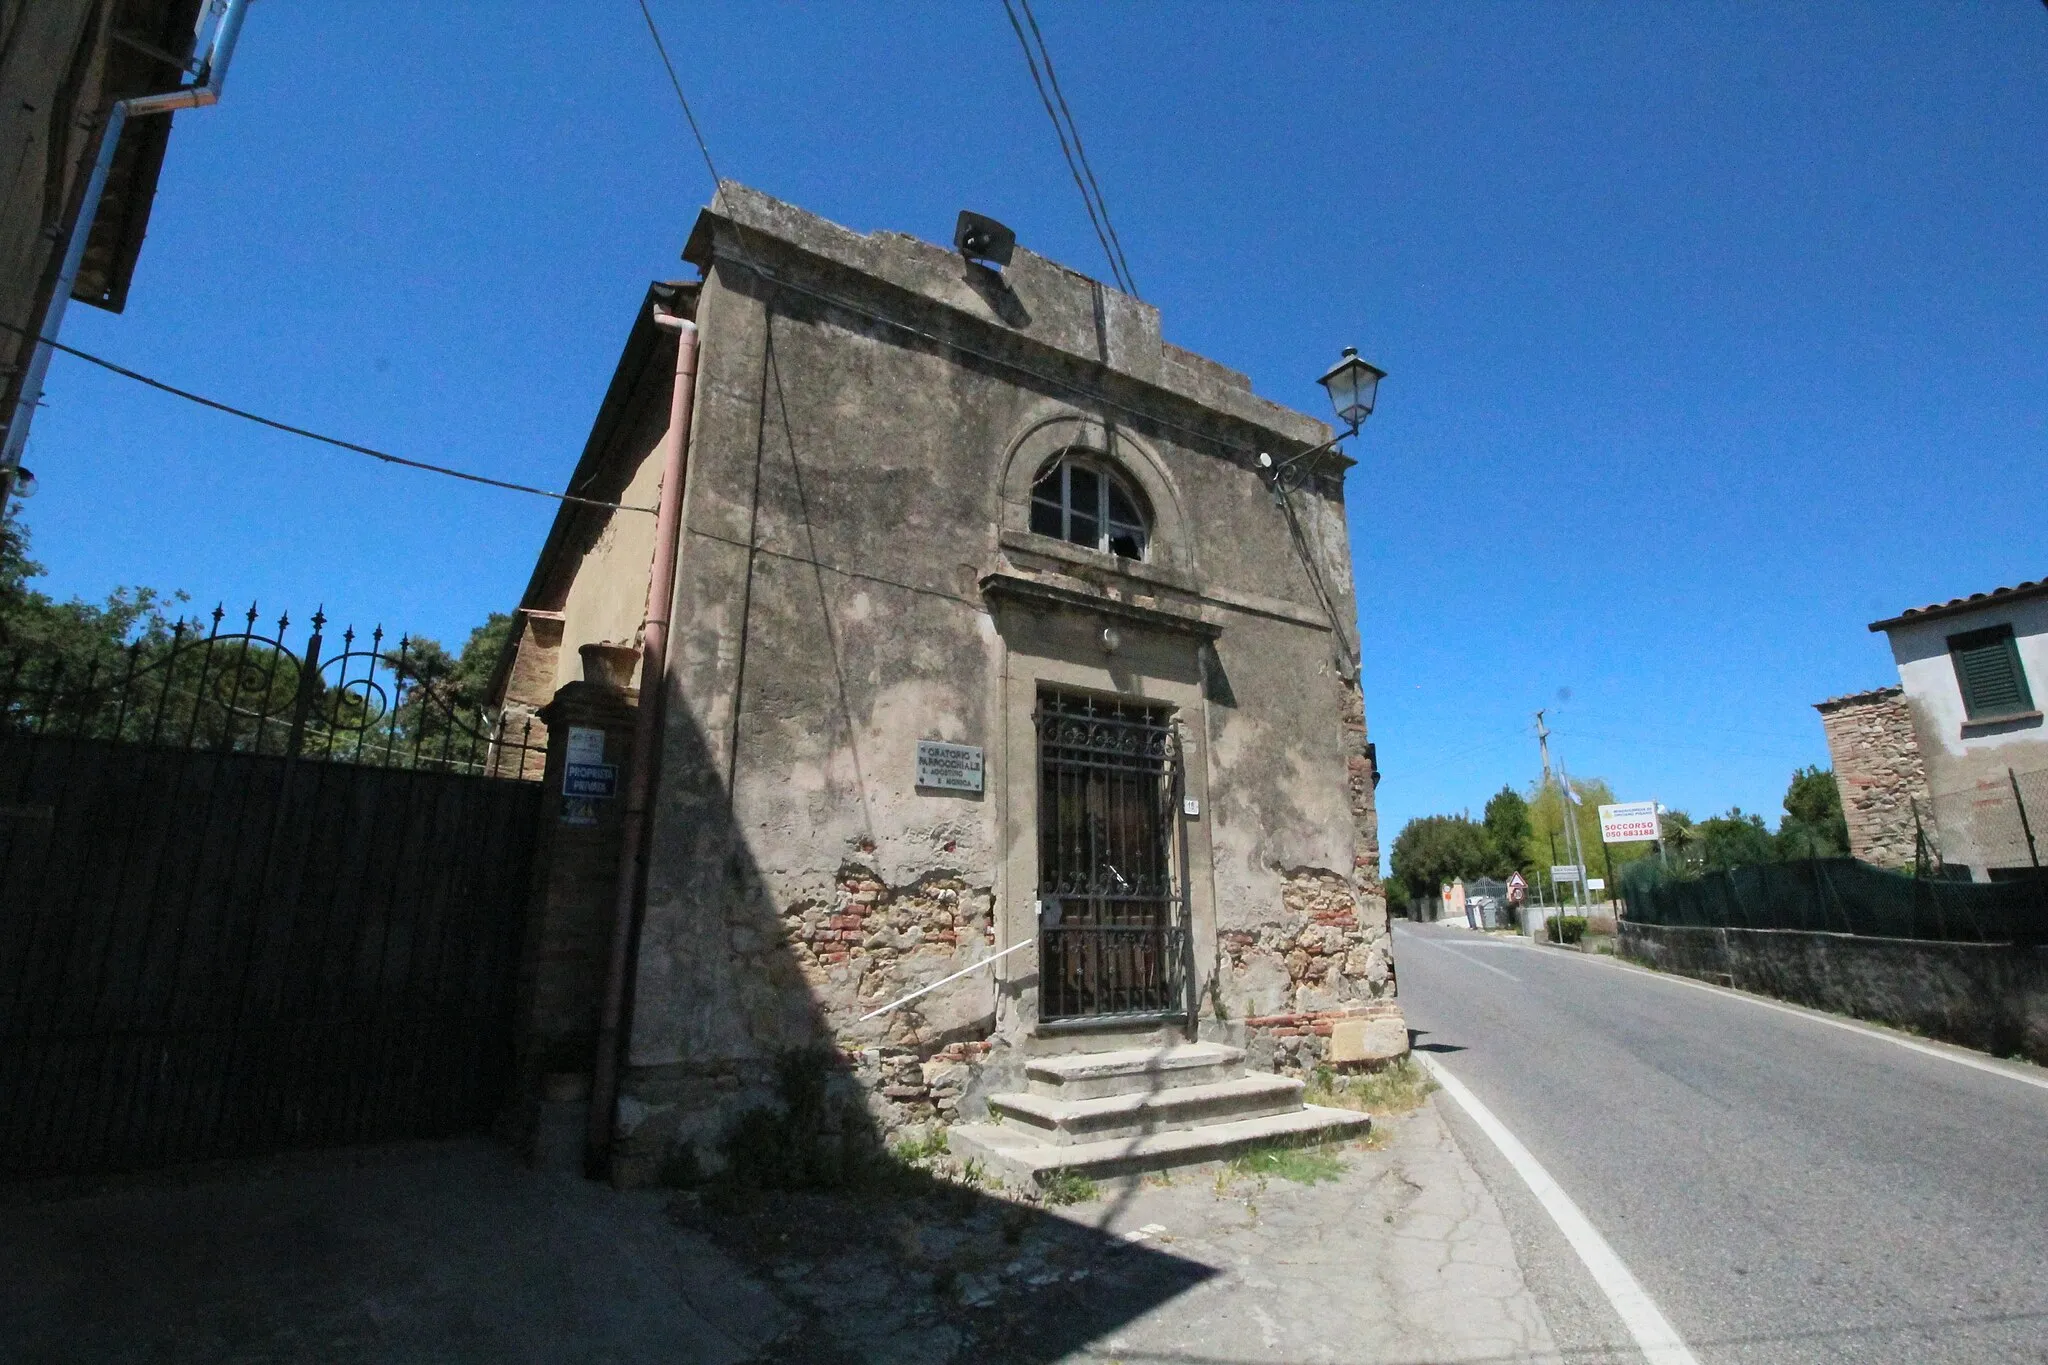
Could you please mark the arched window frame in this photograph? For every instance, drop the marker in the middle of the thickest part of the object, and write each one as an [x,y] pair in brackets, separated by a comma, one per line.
[1084,500]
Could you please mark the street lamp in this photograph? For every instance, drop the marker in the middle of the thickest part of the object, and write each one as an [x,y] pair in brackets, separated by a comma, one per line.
[1353,385]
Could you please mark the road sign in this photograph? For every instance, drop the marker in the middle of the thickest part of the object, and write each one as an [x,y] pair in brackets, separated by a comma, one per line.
[1631,822]
[1596,884]
[1563,872]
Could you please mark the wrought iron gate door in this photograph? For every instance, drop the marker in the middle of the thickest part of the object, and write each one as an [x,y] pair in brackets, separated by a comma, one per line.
[252,899]
[1112,883]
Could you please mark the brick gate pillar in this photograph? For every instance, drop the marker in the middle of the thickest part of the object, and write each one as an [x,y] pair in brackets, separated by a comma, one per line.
[576,863]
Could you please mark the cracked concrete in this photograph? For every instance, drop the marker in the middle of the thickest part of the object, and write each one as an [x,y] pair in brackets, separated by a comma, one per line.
[1402,1258]
[454,1252]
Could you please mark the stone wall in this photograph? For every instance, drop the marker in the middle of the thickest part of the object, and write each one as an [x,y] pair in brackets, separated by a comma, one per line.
[1330,956]
[1879,771]
[1989,996]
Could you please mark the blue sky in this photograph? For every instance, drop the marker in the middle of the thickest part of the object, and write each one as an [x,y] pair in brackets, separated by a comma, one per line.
[1714,332]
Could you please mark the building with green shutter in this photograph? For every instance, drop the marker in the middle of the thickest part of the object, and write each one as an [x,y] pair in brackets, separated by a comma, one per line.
[1951,767]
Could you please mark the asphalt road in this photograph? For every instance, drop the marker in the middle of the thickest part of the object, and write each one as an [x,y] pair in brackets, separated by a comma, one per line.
[1783,1189]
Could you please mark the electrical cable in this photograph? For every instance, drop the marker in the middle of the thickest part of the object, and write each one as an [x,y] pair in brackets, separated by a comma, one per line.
[1130,281]
[696,132]
[276,425]
[1087,200]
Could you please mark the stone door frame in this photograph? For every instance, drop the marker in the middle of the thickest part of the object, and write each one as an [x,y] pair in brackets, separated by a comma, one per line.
[1062,646]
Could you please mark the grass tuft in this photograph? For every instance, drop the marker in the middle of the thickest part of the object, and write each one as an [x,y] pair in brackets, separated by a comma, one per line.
[923,1147]
[1302,1165]
[1068,1187]
[1393,1089]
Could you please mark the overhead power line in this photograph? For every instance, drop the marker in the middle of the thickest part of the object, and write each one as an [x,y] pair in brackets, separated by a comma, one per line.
[682,99]
[1065,129]
[271,422]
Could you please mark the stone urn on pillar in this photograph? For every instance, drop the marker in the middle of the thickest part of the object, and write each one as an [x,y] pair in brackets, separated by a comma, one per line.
[608,664]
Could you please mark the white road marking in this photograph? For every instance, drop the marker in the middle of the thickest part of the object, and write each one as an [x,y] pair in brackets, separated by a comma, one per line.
[1654,1334]
[1487,966]
[1846,1025]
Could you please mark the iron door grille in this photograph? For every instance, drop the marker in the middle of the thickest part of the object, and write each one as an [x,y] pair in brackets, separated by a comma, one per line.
[1112,917]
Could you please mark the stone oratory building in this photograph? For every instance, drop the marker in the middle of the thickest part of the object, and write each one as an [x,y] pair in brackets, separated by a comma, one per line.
[992,635]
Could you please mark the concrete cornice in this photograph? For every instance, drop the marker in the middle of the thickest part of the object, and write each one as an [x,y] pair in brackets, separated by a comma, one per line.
[1045,591]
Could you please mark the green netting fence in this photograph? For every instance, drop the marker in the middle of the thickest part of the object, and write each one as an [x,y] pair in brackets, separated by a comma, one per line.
[1839,896]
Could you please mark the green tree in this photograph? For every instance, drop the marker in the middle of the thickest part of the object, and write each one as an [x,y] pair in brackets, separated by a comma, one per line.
[75,634]
[1435,849]
[1813,826]
[1735,840]
[1507,824]
[1681,840]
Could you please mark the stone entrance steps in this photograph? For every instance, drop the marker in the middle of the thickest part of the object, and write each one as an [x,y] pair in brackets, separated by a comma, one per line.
[1140,1109]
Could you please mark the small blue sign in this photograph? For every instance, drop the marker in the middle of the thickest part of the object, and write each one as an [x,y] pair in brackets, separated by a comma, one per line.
[590,780]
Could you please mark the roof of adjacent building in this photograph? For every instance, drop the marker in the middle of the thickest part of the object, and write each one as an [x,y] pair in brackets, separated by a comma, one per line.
[114,238]
[1859,698]
[1956,606]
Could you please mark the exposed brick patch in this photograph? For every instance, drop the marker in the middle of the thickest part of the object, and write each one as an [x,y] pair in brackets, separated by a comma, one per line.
[871,942]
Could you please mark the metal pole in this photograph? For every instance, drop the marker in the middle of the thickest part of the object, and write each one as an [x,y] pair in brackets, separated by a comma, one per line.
[661,582]
[1571,832]
[2033,853]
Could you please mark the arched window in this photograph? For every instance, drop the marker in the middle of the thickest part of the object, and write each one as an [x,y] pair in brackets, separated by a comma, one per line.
[1084,502]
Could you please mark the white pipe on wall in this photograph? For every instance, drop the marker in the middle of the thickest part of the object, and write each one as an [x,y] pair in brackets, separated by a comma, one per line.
[202,92]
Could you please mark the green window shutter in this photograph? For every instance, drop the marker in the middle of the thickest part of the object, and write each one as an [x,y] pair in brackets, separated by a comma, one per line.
[1988,669]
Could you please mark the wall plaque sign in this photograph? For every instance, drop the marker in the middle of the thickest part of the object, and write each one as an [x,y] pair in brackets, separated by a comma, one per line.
[586,777]
[948,767]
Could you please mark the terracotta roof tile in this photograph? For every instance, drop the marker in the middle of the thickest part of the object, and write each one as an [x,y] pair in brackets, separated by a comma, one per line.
[2018,591]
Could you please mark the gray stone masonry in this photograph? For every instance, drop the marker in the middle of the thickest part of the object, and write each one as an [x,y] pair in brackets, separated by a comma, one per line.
[1879,770]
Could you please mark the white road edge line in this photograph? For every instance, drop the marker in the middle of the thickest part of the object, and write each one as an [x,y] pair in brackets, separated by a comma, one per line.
[1654,1334]
[1846,1025]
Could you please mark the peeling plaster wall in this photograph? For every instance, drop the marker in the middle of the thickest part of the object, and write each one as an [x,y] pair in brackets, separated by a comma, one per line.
[851,487]
[607,596]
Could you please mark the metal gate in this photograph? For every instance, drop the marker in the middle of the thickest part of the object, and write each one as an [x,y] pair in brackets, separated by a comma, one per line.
[252,899]
[1112,884]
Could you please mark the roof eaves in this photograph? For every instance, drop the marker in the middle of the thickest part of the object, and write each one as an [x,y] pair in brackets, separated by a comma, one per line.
[1855,698]
[593,476]
[1956,606]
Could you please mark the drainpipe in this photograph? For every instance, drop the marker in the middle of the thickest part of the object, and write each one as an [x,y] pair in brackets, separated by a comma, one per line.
[661,582]
[205,90]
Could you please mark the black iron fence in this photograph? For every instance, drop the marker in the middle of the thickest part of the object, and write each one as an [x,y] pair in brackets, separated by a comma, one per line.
[253,898]
[210,686]
[1840,896]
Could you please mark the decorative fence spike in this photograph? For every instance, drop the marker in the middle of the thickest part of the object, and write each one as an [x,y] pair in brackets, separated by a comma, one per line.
[249,691]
